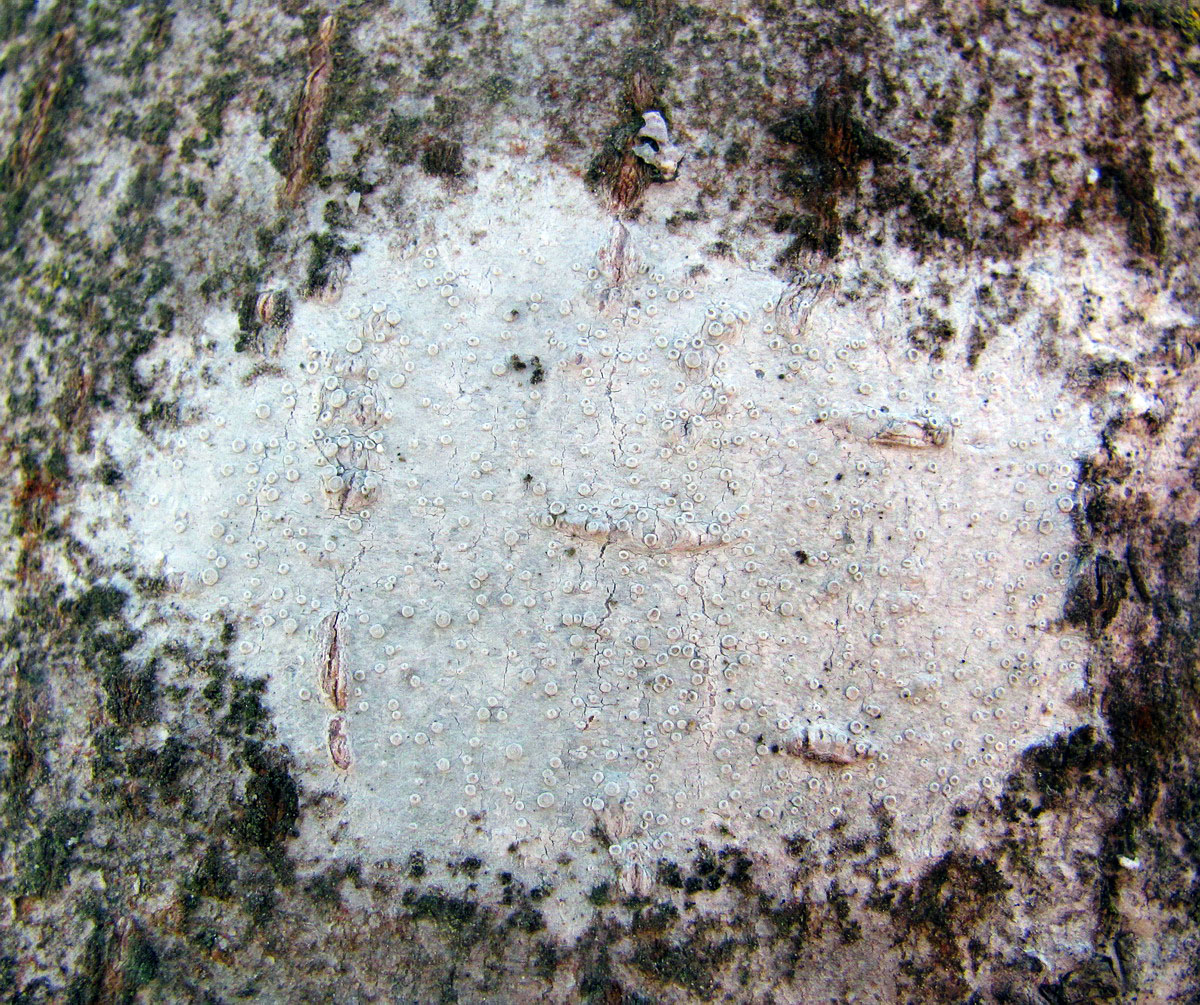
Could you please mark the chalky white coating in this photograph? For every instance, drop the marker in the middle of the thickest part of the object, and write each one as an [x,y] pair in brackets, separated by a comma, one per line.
[728,560]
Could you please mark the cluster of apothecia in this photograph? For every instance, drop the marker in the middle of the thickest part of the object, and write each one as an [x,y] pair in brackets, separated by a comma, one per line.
[528,544]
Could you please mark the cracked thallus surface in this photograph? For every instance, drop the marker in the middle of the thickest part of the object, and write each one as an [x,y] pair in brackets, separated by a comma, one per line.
[546,529]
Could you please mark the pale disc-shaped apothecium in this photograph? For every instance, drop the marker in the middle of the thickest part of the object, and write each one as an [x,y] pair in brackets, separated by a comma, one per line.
[617,533]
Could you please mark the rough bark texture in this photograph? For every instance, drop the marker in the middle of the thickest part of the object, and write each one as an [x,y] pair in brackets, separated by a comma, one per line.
[165,161]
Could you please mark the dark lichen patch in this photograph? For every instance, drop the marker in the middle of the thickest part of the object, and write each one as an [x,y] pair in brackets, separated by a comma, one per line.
[1125,64]
[829,146]
[537,373]
[13,16]
[736,153]
[1133,184]
[654,918]
[43,106]
[36,625]
[135,220]
[933,335]
[443,158]
[130,687]
[959,895]
[329,255]
[497,88]
[214,876]
[247,716]
[820,232]
[738,868]
[956,891]
[153,128]
[469,865]
[709,871]
[99,603]
[44,864]
[1180,16]
[977,342]
[1093,981]
[163,767]
[33,506]
[326,886]
[526,918]
[1057,771]
[1180,346]
[215,95]
[24,734]
[94,315]
[927,220]
[452,13]
[848,927]
[152,587]
[790,919]
[139,961]
[545,960]
[437,906]
[693,965]
[120,958]
[267,814]
[524,915]
[155,38]
[669,875]
[1096,591]
[1150,690]
[399,137]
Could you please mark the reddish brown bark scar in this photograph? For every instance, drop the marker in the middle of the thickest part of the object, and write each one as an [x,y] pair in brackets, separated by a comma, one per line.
[310,111]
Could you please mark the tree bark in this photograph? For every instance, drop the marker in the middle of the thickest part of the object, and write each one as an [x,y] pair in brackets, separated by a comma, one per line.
[841,357]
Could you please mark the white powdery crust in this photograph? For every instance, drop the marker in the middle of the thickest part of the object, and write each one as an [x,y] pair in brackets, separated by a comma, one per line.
[564,521]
